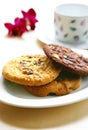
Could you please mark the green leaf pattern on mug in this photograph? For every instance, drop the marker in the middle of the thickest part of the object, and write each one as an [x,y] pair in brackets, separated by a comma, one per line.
[73,21]
[73,28]
[85,33]
[66,35]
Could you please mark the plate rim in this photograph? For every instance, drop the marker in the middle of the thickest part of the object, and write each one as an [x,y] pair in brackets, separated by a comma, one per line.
[46,103]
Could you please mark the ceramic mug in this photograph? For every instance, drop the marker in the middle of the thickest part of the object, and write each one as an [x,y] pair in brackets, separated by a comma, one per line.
[71,23]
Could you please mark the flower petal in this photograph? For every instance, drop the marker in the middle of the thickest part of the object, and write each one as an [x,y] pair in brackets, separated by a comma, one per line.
[9,26]
[30,18]
[32,12]
[18,28]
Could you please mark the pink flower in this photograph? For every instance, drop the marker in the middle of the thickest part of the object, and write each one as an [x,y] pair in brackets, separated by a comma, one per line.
[16,29]
[21,24]
[30,18]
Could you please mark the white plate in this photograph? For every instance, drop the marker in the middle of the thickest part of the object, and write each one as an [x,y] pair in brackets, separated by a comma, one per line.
[45,33]
[16,95]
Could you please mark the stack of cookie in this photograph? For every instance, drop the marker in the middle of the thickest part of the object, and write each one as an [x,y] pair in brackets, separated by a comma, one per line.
[58,72]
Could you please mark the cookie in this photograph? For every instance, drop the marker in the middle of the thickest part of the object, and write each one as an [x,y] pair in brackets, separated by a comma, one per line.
[62,85]
[33,70]
[67,58]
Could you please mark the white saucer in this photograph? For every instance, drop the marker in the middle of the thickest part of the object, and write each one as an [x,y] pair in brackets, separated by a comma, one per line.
[46,35]
[16,95]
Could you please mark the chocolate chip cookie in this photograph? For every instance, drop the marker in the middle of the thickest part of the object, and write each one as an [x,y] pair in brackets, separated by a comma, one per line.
[64,84]
[32,70]
[67,58]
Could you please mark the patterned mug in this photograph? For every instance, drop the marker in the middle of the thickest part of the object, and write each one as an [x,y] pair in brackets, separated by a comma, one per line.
[71,23]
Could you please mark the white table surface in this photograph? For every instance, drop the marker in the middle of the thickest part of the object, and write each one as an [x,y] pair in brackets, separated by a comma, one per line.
[69,117]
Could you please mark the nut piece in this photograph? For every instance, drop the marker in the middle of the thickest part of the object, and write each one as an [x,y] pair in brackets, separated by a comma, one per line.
[56,56]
